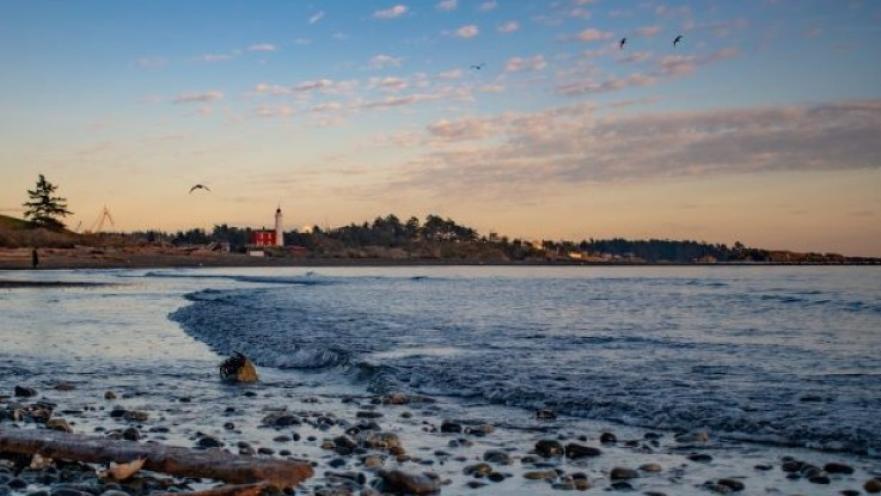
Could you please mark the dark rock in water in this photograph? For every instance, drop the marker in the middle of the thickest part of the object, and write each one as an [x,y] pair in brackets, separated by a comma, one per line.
[717,488]
[498,457]
[478,469]
[540,475]
[733,484]
[576,451]
[368,414]
[209,442]
[17,484]
[266,451]
[792,466]
[117,412]
[229,426]
[548,448]
[400,482]
[621,486]
[838,468]
[819,479]
[64,386]
[280,419]
[700,457]
[109,395]
[475,484]
[58,424]
[651,467]
[450,427]
[136,416]
[114,492]
[496,477]
[872,486]
[25,392]
[763,467]
[131,434]
[545,414]
[344,445]
[238,369]
[608,438]
[622,473]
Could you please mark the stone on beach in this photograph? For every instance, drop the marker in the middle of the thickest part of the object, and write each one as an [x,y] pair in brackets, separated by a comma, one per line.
[548,448]
[238,369]
[400,482]
[872,486]
[575,451]
[623,473]
[24,392]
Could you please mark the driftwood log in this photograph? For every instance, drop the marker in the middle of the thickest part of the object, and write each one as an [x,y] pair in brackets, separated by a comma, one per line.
[181,462]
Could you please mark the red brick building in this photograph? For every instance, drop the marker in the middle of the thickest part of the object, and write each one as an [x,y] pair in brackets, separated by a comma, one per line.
[263,238]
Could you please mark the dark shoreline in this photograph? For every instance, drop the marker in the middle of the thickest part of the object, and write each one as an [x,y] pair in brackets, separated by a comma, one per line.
[7,284]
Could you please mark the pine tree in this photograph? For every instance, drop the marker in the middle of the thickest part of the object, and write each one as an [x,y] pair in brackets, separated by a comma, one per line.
[44,209]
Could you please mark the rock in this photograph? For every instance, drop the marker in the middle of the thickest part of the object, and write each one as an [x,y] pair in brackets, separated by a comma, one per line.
[229,426]
[622,473]
[545,414]
[238,369]
[109,395]
[400,482]
[25,392]
[575,451]
[608,438]
[496,477]
[396,399]
[475,484]
[206,442]
[872,486]
[344,445]
[136,416]
[280,419]
[498,457]
[58,424]
[580,481]
[478,469]
[763,467]
[368,414]
[733,484]
[382,440]
[540,475]
[819,479]
[548,448]
[450,427]
[131,434]
[480,430]
[64,386]
[264,450]
[792,466]
[693,437]
[372,461]
[700,457]
[621,486]
[717,488]
[838,468]
[650,467]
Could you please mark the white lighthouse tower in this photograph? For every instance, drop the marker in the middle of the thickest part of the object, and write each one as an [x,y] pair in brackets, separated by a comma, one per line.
[279,230]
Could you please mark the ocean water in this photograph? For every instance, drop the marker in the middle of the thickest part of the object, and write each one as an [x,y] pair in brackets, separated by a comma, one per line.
[781,355]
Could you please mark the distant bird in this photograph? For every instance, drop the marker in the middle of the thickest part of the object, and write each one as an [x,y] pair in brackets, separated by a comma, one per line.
[677,39]
[622,43]
[200,186]
[479,66]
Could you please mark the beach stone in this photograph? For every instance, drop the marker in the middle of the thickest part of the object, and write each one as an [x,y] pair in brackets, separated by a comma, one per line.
[496,476]
[109,395]
[24,392]
[344,445]
[872,486]
[545,414]
[693,437]
[548,448]
[580,481]
[64,386]
[17,484]
[450,427]
[838,468]
[136,416]
[820,479]
[718,488]
[650,467]
[623,473]
[792,466]
[608,438]
[381,440]
[372,461]
[700,457]
[575,451]
[400,482]
[475,484]
[498,457]
[478,469]
[114,492]
[209,442]
[540,475]
[733,484]
[480,430]
[280,419]
[396,399]
[131,434]
[850,492]
[621,486]
[58,424]
[368,414]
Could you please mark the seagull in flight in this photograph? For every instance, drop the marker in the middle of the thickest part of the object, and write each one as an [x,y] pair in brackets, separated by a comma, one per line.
[479,66]
[200,186]
[677,39]
[622,43]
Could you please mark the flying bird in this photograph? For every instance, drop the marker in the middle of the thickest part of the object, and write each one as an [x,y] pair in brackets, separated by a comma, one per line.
[622,43]
[677,39]
[200,186]
[479,66]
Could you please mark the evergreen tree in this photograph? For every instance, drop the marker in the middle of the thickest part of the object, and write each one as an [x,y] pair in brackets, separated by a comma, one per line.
[44,209]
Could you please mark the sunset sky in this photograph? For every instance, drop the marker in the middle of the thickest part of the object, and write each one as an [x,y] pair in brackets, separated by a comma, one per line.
[763,125]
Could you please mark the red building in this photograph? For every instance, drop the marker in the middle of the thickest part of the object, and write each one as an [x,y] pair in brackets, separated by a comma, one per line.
[263,238]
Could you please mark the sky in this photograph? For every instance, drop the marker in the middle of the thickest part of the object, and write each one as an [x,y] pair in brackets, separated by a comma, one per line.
[527,118]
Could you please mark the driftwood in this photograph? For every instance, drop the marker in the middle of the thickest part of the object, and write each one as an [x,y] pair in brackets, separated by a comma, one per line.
[228,490]
[181,462]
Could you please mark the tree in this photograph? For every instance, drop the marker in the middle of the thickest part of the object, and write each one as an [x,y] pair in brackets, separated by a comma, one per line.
[44,209]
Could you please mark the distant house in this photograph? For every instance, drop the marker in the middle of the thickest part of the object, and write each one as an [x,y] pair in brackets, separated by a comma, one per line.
[263,237]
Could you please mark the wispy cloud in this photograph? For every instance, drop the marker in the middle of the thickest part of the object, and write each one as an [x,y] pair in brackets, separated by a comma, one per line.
[447,5]
[262,47]
[391,12]
[215,57]
[591,34]
[648,31]
[382,61]
[468,31]
[613,83]
[488,5]
[151,62]
[508,27]
[199,97]
[316,17]
[534,63]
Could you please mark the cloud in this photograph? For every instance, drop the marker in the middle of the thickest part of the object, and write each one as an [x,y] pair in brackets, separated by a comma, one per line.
[636,57]
[469,31]
[151,62]
[204,97]
[274,111]
[488,6]
[534,63]
[262,47]
[316,17]
[648,31]
[215,57]
[590,86]
[391,12]
[572,144]
[447,5]
[508,27]
[392,84]
[382,61]
[678,65]
[591,34]
[450,74]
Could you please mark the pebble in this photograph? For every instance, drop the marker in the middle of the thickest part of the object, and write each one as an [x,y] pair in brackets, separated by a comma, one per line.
[838,468]
[209,442]
[872,486]
[575,451]
[700,457]
[608,438]
[58,424]
[650,467]
[545,414]
[623,473]
[25,392]
[109,395]
[478,469]
[450,427]
[498,457]
[733,484]
[548,448]
[540,475]
[398,481]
